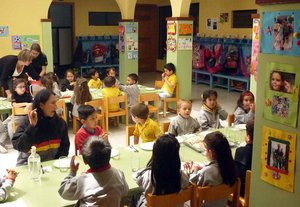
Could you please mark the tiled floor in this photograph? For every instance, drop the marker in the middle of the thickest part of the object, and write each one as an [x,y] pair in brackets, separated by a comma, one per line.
[117,134]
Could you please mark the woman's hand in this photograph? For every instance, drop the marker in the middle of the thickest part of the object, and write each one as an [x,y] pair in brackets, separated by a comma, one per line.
[74,165]
[33,118]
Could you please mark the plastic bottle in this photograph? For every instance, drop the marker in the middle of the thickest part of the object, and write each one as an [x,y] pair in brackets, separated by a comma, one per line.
[34,165]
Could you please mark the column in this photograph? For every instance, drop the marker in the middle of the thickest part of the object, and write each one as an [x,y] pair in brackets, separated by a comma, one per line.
[47,42]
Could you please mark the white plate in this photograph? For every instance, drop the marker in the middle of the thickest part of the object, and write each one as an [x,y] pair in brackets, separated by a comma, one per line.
[65,163]
[150,89]
[240,126]
[232,144]
[114,152]
[147,146]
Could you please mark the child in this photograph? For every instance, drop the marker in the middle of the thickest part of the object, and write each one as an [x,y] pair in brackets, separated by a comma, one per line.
[220,169]
[95,81]
[101,185]
[183,123]
[88,119]
[276,81]
[69,81]
[243,155]
[111,91]
[50,82]
[162,174]
[145,127]
[289,83]
[6,183]
[81,95]
[211,111]
[245,108]
[112,72]
[169,80]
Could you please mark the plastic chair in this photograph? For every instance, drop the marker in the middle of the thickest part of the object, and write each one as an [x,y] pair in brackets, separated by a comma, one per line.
[62,105]
[147,99]
[129,133]
[171,200]
[16,111]
[213,193]
[123,111]
[165,127]
[98,104]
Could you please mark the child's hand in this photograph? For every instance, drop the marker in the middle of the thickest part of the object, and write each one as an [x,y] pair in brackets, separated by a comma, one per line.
[11,174]
[33,118]
[252,107]
[74,165]
[196,168]
[163,75]
[104,136]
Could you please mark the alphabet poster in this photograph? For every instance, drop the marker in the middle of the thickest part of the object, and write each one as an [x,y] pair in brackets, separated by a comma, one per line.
[278,158]
[282,93]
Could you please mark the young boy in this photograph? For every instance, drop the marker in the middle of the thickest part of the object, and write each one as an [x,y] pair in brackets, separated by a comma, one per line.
[211,111]
[6,183]
[95,81]
[169,80]
[145,127]
[88,118]
[101,185]
[111,91]
[183,123]
[243,155]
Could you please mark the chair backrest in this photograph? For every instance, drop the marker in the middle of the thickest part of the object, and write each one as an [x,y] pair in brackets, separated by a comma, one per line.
[171,200]
[98,104]
[165,127]
[158,84]
[17,111]
[213,193]
[116,100]
[149,97]
[62,105]
[247,188]
[129,133]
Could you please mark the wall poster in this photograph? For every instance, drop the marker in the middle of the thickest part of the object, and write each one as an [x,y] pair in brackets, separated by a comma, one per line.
[3,31]
[212,23]
[255,47]
[282,93]
[185,43]
[20,42]
[185,29]
[278,158]
[171,28]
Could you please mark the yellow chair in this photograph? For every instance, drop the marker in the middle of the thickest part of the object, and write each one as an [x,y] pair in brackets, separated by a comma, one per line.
[62,105]
[129,133]
[213,193]
[16,111]
[74,121]
[98,104]
[123,111]
[171,200]
[151,97]
[166,101]
[165,127]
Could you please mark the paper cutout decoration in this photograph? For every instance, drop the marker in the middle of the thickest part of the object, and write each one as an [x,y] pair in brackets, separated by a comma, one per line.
[171,28]
[212,24]
[278,158]
[223,17]
[3,31]
[185,29]
[20,42]
[255,47]
[185,43]
[171,44]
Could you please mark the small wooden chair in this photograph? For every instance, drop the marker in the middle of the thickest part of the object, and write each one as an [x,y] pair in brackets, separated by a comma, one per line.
[151,97]
[213,193]
[16,111]
[123,111]
[98,104]
[165,127]
[129,133]
[171,200]
[60,103]
[74,121]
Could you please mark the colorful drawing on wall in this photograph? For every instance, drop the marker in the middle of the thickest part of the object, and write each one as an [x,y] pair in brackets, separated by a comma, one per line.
[20,42]
[171,44]
[277,33]
[223,17]
[255,47]
[185,43]
[212,24]
[171,28]
[121,38]
[131,28]
[282,93]
[132,43]
[278,158]
[185,29]
[3,31]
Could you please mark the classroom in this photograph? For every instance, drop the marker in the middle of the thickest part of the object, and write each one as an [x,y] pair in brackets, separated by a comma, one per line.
[192,70]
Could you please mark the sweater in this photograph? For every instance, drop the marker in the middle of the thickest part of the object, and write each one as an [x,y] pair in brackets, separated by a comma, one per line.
[132,92]
[241,116]
[181,126]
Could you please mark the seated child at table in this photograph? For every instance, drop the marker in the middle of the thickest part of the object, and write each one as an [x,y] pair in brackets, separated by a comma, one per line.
[145,127]
[102,184]
[211,111]
[88,119]
[6,183]
[50,81]
[111,91]
[95,81]
[111,72]
[69,81]
[164,169]
[169,80]
[243,155]
[220,170]
[183,123]
[245,108]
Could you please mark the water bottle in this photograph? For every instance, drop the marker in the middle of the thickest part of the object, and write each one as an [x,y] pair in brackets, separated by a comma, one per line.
[34,165]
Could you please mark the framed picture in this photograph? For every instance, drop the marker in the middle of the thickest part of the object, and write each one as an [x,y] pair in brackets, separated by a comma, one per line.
[278,155]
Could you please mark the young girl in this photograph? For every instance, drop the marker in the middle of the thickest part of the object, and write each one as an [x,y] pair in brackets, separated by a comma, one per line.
[81,95]
[276,81]
[169,80]
[220,169]
[69,81]
[162,174]
[245,108]
[95,81]
[183,123]
[50,82]
[211,111]
[112,72]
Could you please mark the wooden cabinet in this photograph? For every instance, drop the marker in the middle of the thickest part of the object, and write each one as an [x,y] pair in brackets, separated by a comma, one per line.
[276,1]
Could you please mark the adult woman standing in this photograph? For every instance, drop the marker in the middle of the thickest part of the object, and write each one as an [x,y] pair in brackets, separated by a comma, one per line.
[43,129]
[12,66]
[39,61]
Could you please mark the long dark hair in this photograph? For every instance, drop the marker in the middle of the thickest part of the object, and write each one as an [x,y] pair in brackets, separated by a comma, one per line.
[41,97]
[165,166]
[81,91]
[239,102]
[219,145]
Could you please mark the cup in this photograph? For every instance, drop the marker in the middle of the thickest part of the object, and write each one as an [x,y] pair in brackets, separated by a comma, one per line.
[230,119]
[135,163]
[64,163]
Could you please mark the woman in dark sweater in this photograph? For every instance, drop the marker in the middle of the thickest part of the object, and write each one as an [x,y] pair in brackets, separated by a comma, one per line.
[43,129]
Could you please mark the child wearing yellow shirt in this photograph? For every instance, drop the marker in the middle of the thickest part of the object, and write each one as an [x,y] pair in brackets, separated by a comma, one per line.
[111,91]
[145,127]
[169,80]
[95,81]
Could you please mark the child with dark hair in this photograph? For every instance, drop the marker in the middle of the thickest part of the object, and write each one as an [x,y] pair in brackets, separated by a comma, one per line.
[220,170]
[211,111]
[102,184]
[276,81]
[111,91]
[50,82]
[162,174]
[245,109]
[88,119]
[69,81]
[111,72]
[169,80]
[145,127]
[81,95]
[95,81]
